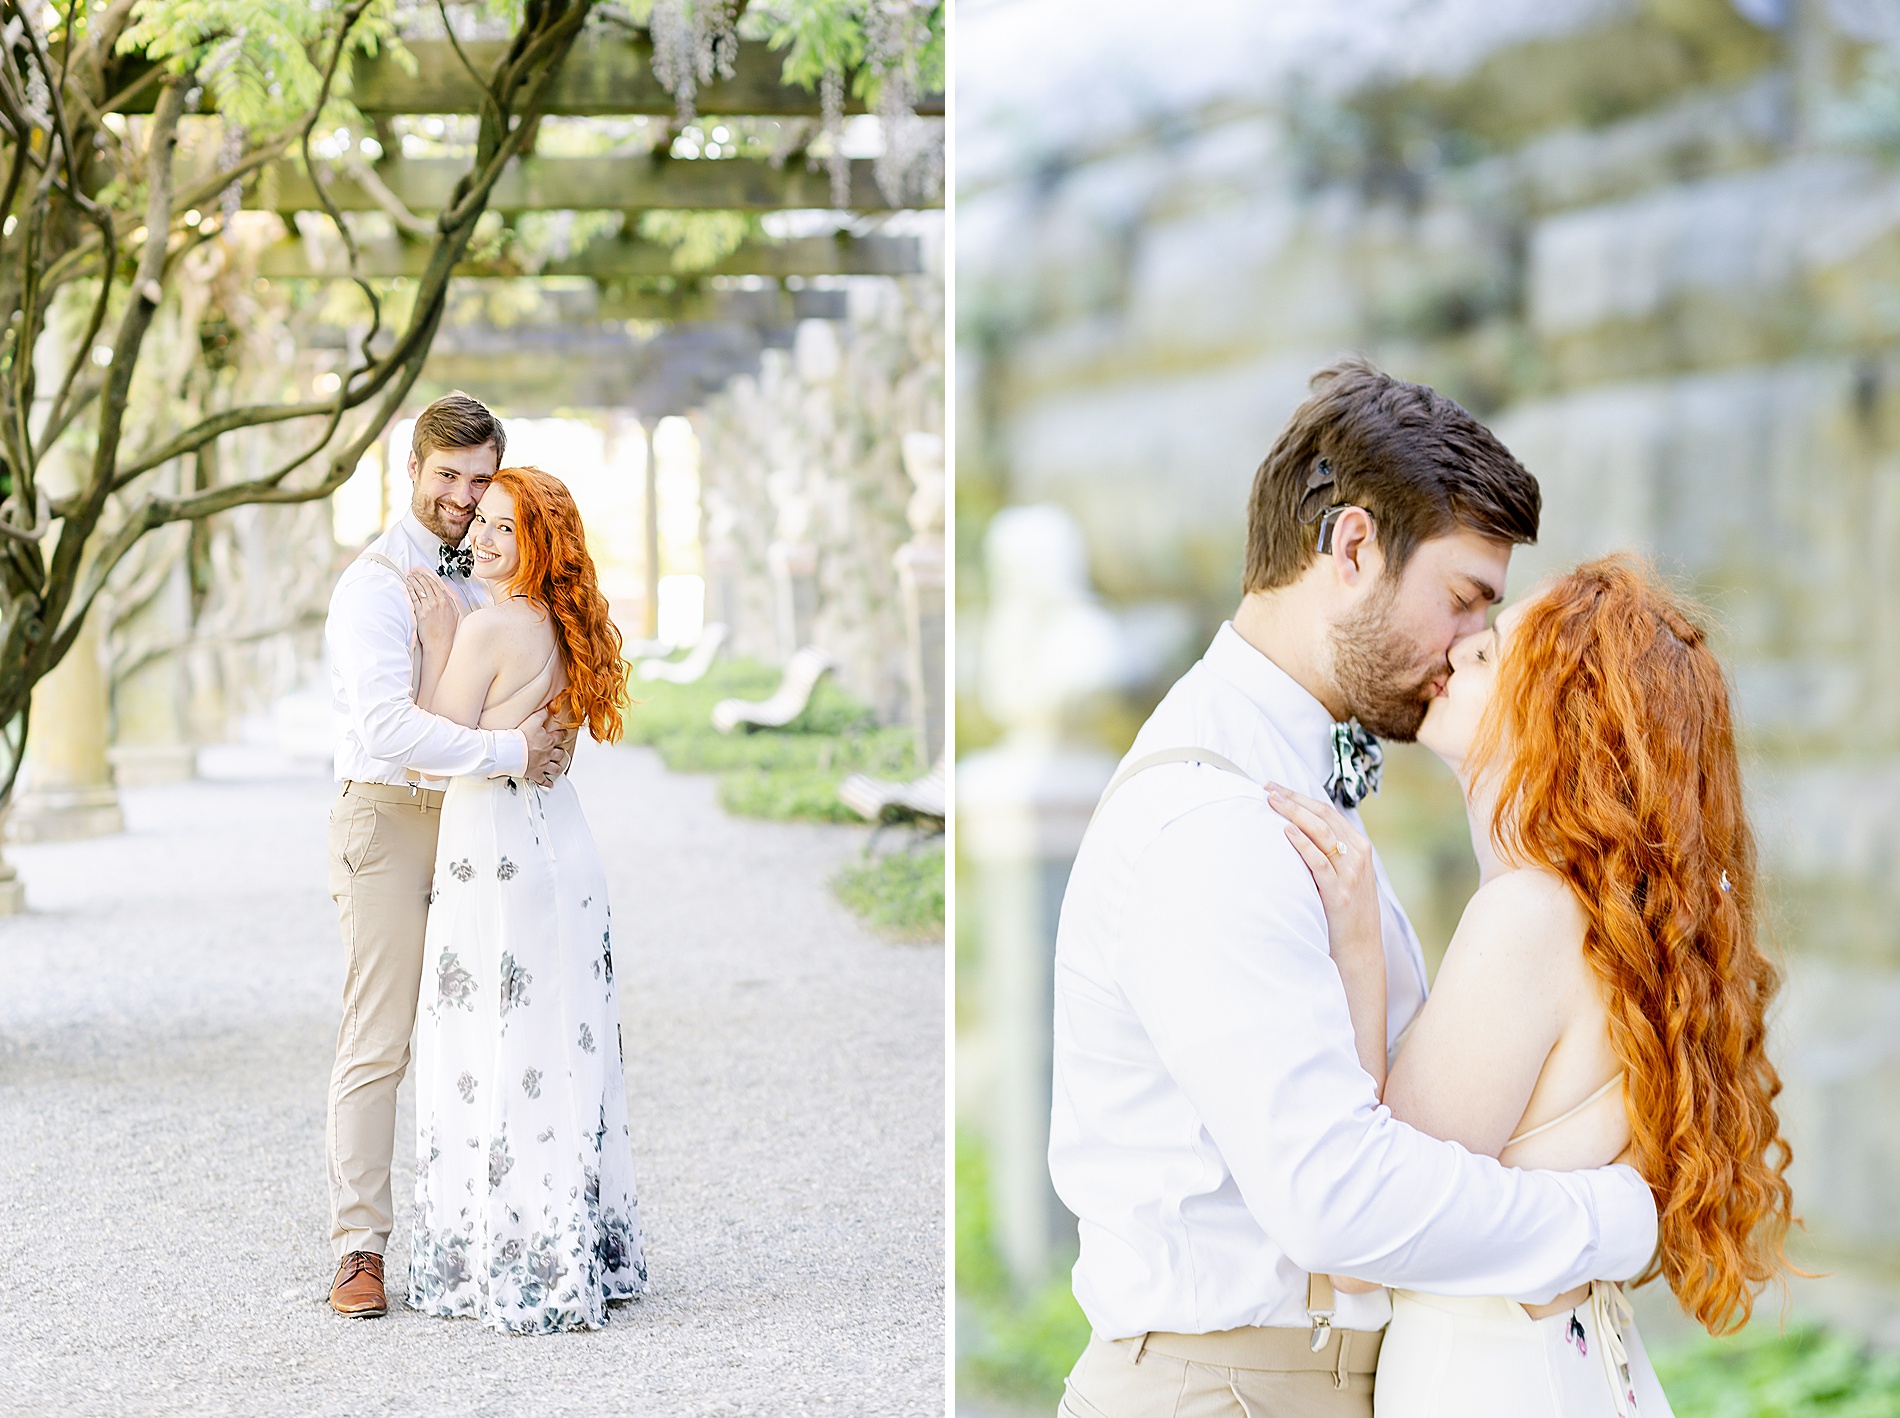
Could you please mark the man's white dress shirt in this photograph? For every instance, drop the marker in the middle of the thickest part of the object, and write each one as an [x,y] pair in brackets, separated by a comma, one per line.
[371,635]
[1212,1127]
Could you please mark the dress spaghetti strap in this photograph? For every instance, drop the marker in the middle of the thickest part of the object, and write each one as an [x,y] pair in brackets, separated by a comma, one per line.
[1566,1116]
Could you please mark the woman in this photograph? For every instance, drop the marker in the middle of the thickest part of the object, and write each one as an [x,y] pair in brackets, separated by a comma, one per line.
[525,1210]
[1603,997]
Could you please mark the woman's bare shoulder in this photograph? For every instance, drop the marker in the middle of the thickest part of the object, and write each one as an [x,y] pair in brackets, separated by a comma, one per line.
[504,619]
[1524,913]
[1535,891]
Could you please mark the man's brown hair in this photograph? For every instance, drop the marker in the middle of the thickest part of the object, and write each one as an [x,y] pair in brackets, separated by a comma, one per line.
[1413,459]
[456,421]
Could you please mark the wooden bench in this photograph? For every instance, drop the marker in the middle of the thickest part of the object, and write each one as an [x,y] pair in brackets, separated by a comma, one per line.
[788,701]
[693,668]
[871,797]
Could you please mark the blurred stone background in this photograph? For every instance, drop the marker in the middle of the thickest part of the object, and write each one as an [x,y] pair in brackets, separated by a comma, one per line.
[1654,243]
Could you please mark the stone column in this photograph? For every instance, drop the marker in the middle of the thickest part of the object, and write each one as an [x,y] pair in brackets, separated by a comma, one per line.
[920,576]
[650,616]
[724,562]
[12,889]
[66,789]
[150,743]
[1021,811]
[793,562]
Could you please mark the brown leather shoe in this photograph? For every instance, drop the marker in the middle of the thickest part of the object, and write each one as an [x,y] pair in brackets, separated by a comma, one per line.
[357,1290]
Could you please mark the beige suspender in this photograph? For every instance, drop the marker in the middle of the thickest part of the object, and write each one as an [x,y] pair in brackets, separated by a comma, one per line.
[1320,1303]
[1319,1309]
[1169,755]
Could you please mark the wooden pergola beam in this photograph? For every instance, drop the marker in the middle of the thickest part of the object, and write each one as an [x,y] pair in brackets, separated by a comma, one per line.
[627,184]
[610,260]
[743,307]
[604,76]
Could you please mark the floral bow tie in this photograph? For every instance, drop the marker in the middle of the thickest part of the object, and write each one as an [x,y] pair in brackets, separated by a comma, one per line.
[456,563]
[1357,762]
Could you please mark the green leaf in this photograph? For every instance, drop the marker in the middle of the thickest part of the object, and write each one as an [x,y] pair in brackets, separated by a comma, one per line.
[700,240]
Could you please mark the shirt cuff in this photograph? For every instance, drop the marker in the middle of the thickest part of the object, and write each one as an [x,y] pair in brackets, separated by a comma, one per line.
[509,750]
[1626,1221]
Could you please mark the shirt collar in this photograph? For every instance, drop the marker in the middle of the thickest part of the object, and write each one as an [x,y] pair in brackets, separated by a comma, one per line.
[1296,715]
[426,541]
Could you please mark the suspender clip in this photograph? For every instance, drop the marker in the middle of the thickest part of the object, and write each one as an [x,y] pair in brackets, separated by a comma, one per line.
[1322,1331]
[1319,1309]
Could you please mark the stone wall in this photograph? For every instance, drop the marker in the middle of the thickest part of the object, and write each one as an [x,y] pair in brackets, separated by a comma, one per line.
[809,451]
[1638,251]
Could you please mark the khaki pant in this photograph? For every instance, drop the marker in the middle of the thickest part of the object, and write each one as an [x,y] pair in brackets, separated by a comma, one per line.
[382,859]
[1126,1379]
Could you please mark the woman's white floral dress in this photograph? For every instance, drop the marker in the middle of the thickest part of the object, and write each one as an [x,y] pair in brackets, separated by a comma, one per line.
[526,1216]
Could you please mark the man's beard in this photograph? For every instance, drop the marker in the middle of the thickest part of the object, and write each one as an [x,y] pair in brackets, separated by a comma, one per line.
[430,513]
[1376,670]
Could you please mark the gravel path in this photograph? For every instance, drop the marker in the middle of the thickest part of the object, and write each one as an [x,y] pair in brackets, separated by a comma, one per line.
[165,1041]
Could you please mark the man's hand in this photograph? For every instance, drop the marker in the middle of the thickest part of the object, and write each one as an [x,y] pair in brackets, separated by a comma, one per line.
[550,747]
[437,612]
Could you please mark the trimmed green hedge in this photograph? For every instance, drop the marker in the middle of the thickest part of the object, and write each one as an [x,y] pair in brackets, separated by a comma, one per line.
[899,895]
[1806,1373]
[1016,1348]
[793,772]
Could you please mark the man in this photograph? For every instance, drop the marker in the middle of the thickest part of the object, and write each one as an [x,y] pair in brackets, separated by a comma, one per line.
[1213,1128]
[383,825]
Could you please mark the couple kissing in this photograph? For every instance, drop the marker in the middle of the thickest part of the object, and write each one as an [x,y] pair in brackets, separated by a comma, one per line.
[1294,1172]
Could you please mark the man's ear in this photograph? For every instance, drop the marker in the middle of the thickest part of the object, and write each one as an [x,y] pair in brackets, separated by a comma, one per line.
[1357,557]
[413,469]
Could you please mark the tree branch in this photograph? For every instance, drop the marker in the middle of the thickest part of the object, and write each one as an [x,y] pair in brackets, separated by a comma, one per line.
[488,98]
[82,563]
[366,178]
[145,297]
[350,18]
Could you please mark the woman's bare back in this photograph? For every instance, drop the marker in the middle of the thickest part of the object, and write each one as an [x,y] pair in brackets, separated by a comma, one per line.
[526,657]
[1515,1000]
[502,668]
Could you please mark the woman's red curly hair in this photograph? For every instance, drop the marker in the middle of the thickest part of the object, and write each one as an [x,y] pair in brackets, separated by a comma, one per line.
[1615,748]
[557,574]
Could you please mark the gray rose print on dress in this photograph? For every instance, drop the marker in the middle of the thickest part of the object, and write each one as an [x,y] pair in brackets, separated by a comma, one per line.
[617,1242]
[438,1263]
[545,1269]
[514,982]
[500,1160]
[453,984]
[546,1237]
